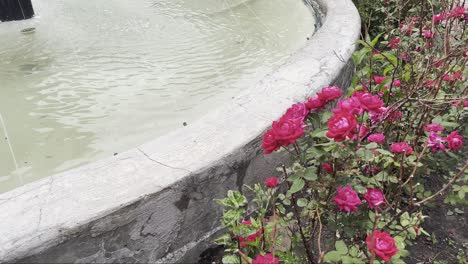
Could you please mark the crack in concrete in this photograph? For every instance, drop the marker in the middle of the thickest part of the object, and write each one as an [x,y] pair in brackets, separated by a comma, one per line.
[160,163]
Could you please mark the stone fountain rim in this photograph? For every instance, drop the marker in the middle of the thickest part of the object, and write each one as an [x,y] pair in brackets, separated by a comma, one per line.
[47,212]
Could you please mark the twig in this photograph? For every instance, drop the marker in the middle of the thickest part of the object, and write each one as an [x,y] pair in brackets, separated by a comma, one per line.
[454,178]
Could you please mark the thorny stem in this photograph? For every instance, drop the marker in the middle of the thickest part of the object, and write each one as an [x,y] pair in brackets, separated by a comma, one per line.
[242,256]
[319,238]
[309,254]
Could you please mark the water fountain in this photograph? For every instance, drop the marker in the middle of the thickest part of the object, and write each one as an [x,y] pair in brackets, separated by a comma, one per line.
[66,88]
[15,10]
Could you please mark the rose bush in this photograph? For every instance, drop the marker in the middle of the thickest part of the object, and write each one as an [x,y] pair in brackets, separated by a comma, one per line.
[364,157]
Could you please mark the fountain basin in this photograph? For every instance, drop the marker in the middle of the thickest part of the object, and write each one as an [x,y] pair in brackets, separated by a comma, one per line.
[154,202]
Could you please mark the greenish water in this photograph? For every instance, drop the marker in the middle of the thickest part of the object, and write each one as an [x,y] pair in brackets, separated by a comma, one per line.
[100,77]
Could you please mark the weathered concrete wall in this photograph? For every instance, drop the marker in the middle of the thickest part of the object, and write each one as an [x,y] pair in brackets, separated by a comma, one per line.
[152,202]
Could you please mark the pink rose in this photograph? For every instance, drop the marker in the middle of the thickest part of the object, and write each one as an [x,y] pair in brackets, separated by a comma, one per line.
[370,102]
[385,114]
[453,77]
[265,259]
[458,12]
[438,18]
[270,143]
[433,128]
[455,141]
[341,125]
[271,182]
[350,105]
[379,79]
[381,244]
[250,238]
[396,83]
[330,93]
[394,43]
[328,168]
[374,198]
[428,34]
[287,131]
[465,104]
[315,103]
[436,142]
[347,199]
[247,223]
[297,111]
[401,147]
[377,138]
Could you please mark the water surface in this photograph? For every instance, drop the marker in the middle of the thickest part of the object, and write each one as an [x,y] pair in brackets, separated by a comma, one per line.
[100,77]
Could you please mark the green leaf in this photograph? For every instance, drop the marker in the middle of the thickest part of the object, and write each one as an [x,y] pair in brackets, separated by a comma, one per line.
[302,202]
[310,174]
[325,117]
[319,133]
[353,251]
[391,57]
[376,39]
[385,152]
[297,185]
[332,256]
[365,153]
[341,247]
[372,145]
[231,259]
[389,68]
[404,222]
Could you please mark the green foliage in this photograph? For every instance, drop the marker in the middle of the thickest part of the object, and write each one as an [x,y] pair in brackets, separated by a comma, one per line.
[299,221]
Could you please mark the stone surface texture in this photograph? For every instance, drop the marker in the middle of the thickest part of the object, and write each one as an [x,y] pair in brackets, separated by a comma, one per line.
[154,202]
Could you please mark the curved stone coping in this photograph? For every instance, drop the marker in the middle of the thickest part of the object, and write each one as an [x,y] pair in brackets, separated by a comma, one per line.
[35,217]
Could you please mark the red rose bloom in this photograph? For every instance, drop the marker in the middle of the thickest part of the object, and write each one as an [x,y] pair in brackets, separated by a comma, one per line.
[377,138]
[429,34]
[287,130]
[458,12]
[347,199]
[381,244]
[349,105]
[250,238]
[270,143]
[374,197]
[328,168]
[370,102]
[436,142]
[271,182]
[379,79]
[330,93]
[341,125]
[438,18]
[246,222]
[455,141]
[396,83]
[265,259]
[394,43]
[315,103]
[433,128]
[297,111]
[401,147]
